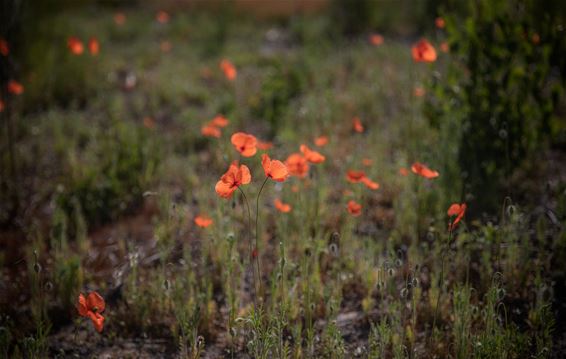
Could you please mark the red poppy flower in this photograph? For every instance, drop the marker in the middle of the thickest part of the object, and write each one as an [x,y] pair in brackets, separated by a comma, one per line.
[457,210]
[403,171]
[376,39]
[232,179]
[355,176]
[4,48]
[423,171]
[220,121]
[75,45]
[119,18]
[354,208]
[91,307]
[2,106]
[264,146]
[423,51]
[312,156]
[15,88]
[229,69]
[444,47]
[535,38]
[321,141]
[162,17]
[440,23]
[209,130]
[93,46]
[357,125]
[370,184]
[282,207]
[297,165]
[244,143]
[203,221]
[274,169]
[367,162]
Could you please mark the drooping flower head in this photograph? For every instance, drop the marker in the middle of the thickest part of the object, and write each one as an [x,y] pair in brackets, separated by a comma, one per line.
[236,176]
[274,169]
[457,210]
[91,306]
[244,143]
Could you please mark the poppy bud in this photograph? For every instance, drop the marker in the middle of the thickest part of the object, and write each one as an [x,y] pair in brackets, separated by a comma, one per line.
[48,286]
[37,268]
[391,272]
[404,293]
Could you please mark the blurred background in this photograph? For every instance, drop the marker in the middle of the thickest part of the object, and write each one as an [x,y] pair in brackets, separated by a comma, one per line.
[103,104]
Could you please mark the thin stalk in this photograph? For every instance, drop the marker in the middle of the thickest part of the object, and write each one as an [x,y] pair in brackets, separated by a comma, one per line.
[441,284]
[257,235]
[250,244]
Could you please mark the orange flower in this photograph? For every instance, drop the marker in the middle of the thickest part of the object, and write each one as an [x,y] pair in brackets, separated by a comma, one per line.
[457,210]
[444,47]
[4,48]
[282,207]
[297,165]
[93,46]
[15,88]
[91,307]
[312,156]
[423,171]
[264,146]
[321,141]
[354,208]
[403,171]
[376,39]
[423,51]
[203,221]
[367,162]
[119,18]
[355,176]
[357,125]
[75,45]
[274,169]
[419,91]
[232,179]
[244,143]
[220,121]
[162,17]
[229,69]
[440,23]
[370,184]
[209,130]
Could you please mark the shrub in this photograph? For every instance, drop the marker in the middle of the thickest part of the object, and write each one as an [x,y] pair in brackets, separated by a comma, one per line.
[501,88]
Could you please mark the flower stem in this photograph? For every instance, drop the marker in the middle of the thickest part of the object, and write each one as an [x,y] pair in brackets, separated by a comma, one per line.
[250,244]
[441,283]
[257,235]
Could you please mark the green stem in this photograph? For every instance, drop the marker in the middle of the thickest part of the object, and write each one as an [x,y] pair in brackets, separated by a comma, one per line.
[257,234]
[441,283]
[250,243]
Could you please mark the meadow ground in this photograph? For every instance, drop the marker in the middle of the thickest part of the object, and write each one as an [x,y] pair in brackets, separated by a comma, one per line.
[114,169]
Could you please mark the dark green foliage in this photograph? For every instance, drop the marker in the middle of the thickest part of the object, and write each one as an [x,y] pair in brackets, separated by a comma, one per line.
[283,83]
[502,88]
[114,183]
